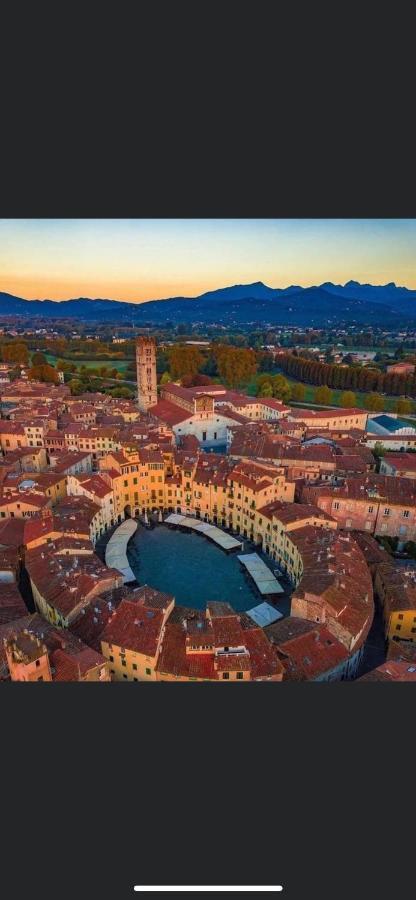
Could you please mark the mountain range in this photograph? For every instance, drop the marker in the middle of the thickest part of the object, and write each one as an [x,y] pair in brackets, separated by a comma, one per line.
[245,304]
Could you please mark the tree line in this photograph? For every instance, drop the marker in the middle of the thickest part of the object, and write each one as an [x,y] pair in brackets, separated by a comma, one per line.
[352,378]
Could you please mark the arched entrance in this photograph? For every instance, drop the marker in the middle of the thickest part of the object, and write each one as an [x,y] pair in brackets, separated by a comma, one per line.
[127,511]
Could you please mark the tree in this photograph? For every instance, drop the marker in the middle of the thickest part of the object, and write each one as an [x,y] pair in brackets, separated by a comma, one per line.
[323,395]
[265,361]
[122,392]
[348,399]
[378,450]
[187,381]
[266,390]
[261,380]
[184,360]
[15,373]
[410,549]
[200,380]
[76,386]
[39,359]
[43,373]
[210,367]
[16,352]
[374,402]
[403,406]
[64,366]
[162,361]
[298,392]
[235,365]
[281,388]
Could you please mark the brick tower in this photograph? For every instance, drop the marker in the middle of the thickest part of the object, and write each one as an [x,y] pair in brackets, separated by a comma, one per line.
[146,372]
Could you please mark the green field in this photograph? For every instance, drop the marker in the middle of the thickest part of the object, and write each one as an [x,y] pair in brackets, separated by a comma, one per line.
[119,364]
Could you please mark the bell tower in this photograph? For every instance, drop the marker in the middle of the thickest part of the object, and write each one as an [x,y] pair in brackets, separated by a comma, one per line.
[146,372]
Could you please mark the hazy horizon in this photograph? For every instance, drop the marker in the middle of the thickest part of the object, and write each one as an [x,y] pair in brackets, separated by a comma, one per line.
[137,260]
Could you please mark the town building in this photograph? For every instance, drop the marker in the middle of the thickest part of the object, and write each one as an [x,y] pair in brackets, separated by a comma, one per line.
[132,638]
[33,650]
[333,586]
[330,418]
[378,504]
[395,590]
[99,489]
[402,465]
[276,520]
[311,652]
[66,576]
[389,425]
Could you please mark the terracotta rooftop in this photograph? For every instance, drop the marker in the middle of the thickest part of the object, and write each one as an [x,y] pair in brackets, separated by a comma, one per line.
[326,413]
[12,532]
[336,580]
[66,580]
[403,462]
[134,628]
[388,488]
[94,484]
[392,670]
[12,605]
[170,413]
[399,587]
[312,654]
[293,512]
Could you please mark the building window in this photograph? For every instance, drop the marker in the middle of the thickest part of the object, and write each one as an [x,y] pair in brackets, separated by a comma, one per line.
[225,676]
[111,658]
[40,678]
[135,667]
[37,663]
[124,676]
[387,512]
[123,663]
[400,616]
[398,627]
[148,671]
[239,675]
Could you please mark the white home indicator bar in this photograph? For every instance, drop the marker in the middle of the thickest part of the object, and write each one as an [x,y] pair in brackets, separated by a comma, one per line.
[222,888]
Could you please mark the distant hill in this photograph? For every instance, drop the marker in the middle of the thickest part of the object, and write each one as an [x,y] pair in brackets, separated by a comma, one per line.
[250,304]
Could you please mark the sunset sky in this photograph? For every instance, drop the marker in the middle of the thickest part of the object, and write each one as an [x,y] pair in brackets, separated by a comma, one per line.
[146,259]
